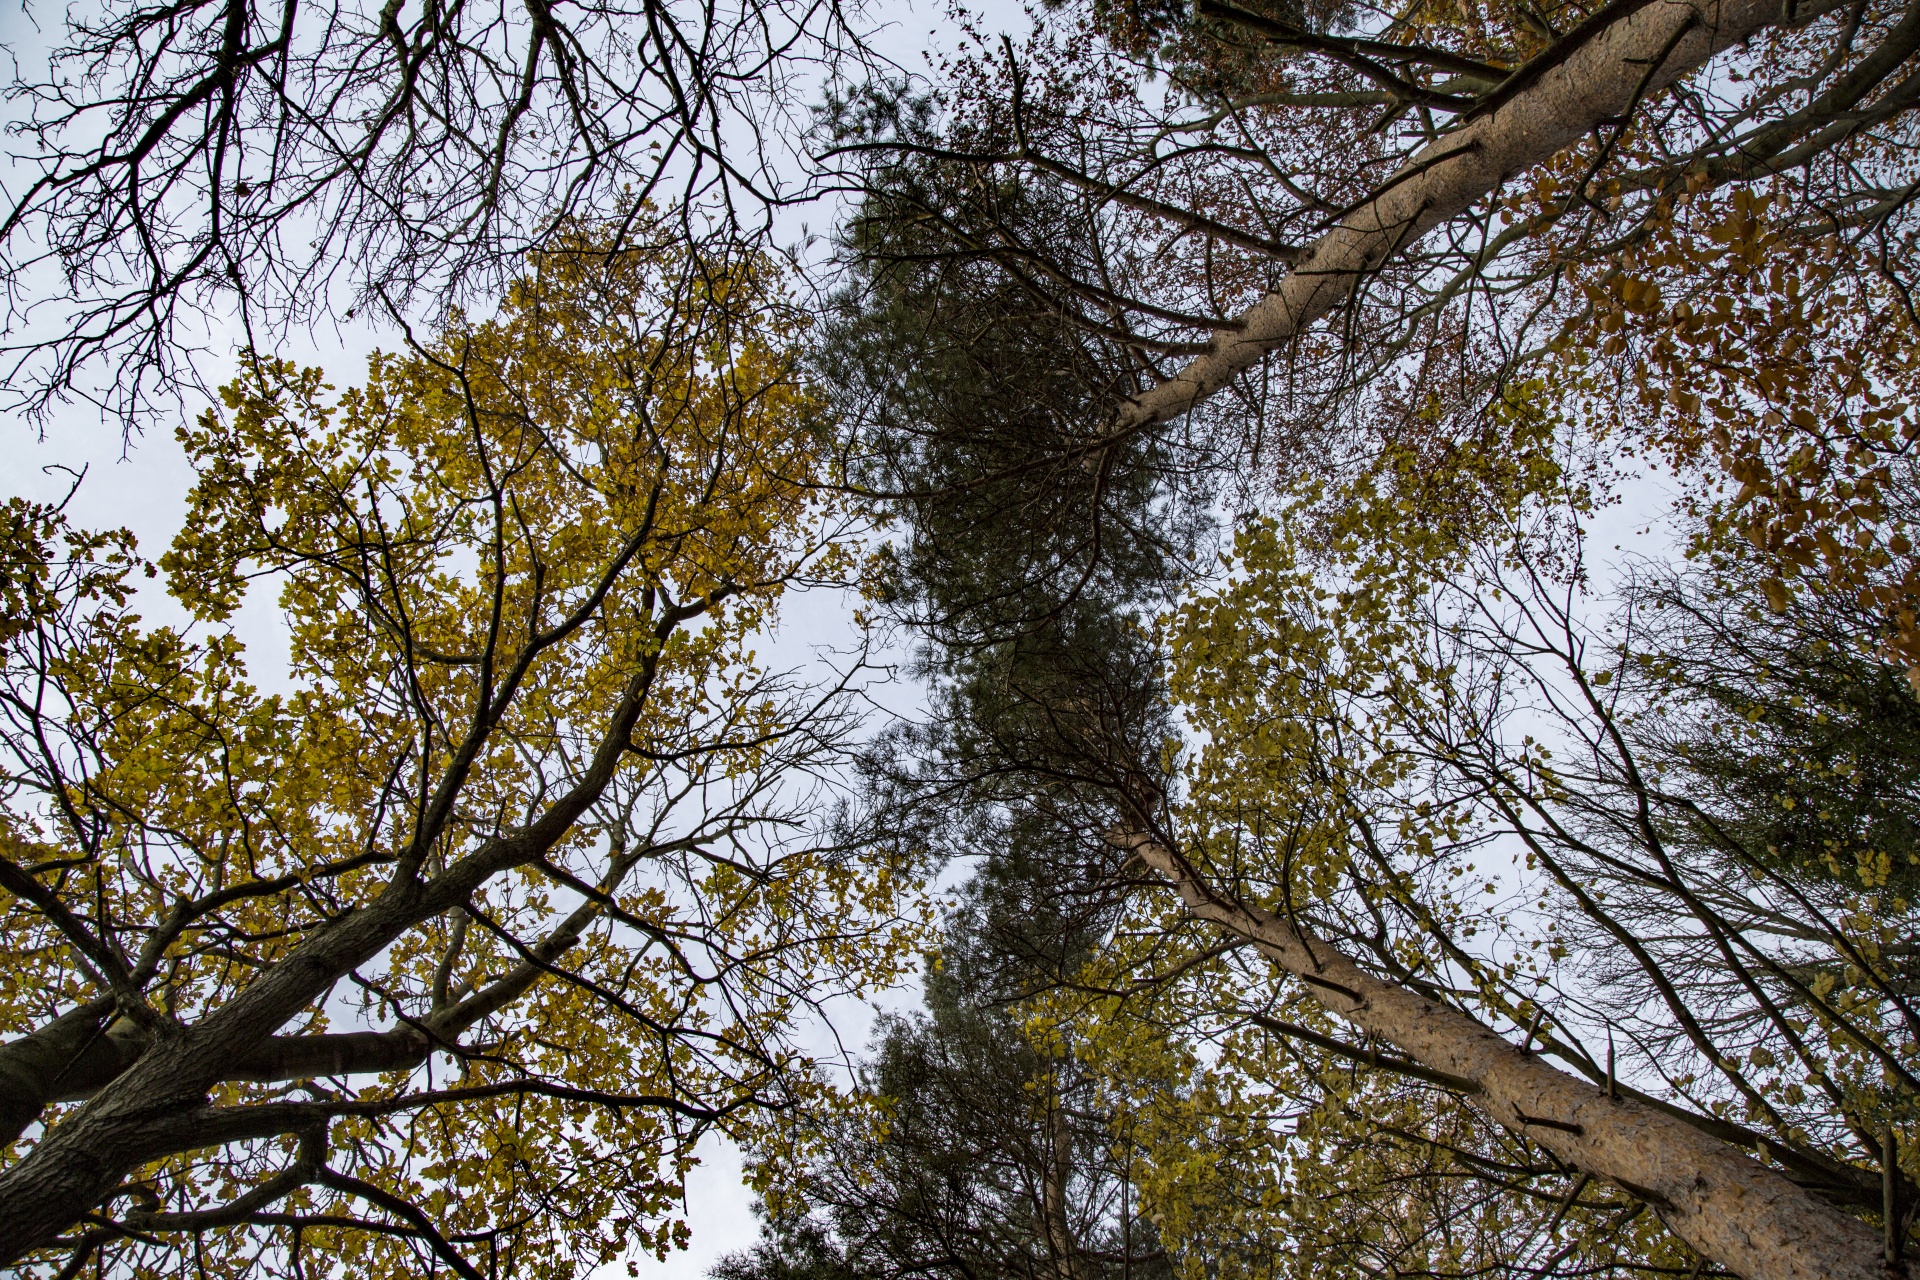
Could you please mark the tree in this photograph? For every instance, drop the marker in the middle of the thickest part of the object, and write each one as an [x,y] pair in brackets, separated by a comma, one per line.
[1346,218]
[1792,728]
[988,1149]
[1395,684]
[1557,180]
[1444,725]
[286,164]
[972,401]
[531,821]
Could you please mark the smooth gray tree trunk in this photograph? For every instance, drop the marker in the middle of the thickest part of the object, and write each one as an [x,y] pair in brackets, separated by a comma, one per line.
[1729,1207]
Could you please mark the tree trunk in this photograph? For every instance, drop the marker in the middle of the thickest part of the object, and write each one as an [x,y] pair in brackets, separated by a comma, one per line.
[1596,84]
[82,1159]
[1054,1209]
[32,1066]
[278,1058]
[1730,1208]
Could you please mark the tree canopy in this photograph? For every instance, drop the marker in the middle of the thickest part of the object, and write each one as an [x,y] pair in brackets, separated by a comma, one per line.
[445,954]
[1362,864]
[1473,907]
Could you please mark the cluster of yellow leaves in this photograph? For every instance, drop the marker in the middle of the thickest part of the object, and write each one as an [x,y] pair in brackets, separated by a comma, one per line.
[63,600]
[1303,671]
[477,551]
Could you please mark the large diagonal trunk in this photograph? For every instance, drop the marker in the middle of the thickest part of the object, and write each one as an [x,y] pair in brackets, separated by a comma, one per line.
[1729,1207]
[1551,105]
[137,1115]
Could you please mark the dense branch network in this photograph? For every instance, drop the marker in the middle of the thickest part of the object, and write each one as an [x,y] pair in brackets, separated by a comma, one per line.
[271,167]
[1285,189]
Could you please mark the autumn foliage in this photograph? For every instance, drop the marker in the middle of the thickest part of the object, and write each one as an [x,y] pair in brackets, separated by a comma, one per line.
[523,741]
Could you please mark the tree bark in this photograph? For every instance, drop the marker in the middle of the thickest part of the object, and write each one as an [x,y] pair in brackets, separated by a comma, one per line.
[1596,84]
[32,1066]
[1054,1208]
[1730,1208]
